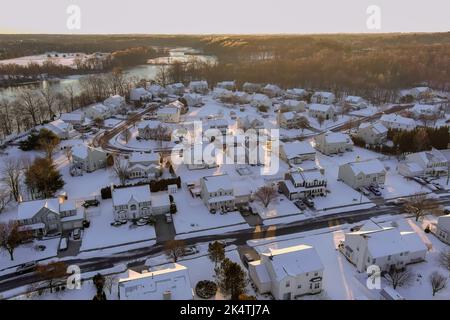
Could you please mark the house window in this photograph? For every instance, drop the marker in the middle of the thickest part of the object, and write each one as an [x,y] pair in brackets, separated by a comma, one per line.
[133,207]
[389,257]
[317,285]
[288,284]
[316,274]
[299,286]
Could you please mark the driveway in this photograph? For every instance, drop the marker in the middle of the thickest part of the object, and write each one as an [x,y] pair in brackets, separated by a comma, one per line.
[73,247]
[164,231]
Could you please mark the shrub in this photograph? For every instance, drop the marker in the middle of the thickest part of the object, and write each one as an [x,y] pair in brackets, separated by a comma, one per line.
[205,289]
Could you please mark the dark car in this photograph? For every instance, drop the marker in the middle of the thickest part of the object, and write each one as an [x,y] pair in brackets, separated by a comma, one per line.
[375,191]
[91,203]
[309,202]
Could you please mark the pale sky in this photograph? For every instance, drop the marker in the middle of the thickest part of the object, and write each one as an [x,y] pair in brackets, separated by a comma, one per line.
[223,16]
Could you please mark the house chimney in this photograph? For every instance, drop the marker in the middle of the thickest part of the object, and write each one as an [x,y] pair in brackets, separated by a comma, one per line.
[167,295]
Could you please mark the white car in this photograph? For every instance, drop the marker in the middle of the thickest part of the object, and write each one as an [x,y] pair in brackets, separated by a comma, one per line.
[63,244]
[168,218]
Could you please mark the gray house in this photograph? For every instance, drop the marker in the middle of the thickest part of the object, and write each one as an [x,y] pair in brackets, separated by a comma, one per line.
[88,158]
[372,133]
[363,173]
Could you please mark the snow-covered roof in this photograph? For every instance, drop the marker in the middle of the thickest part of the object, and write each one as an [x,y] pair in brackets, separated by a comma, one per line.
[144,157]
[395,118]
[28,209]
[260,97]
[291,103]
[372,166]
[296,91]
[272,87]
[293,261]
[160,200]
[321,107]
[80,151]
[122,196]
[170,282]
[114,101]
[324,94]
[428,157]
[58,125]
[297,148]
[215,183]
[337,137]
[198,84]
[72,116]
[354,99]
[152,124]
[307,176]
[444,222]
[168,110]
[423,108]
[289,115]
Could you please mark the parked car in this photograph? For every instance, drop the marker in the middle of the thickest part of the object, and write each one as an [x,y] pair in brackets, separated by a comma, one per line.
[116,223]
[438,186]
[76,234]
[26,267]
[168,218]
[375,191]
[141,222]
[123,221]
[190,250]
[40,247]
[63,245]
[364,191]
[309,202]
[247,258]
[91,203]
[300,204]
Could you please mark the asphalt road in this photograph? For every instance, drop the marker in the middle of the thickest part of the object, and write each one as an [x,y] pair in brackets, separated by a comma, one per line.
[137,257]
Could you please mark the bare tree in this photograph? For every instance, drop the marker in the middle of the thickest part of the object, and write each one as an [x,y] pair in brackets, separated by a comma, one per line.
[438,282]
[6,117]
[126,134]
[68,153]
[109,282]
[398,278]
[444,259]
[320,120]
[11,237]
[174,249]
[5,197]
[419,204]
[48,98]
[266,194]
[11,174]
[52,272]
[162,76]
[29,104]
[70,94]
[121,169]
[303,123]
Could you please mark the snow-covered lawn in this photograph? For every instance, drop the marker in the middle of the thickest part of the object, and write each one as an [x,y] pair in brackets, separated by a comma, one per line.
[280,207]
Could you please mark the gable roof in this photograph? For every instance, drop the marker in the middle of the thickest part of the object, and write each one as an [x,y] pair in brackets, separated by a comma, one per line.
[28,209]
[122,196]
[297,148]
[215,183]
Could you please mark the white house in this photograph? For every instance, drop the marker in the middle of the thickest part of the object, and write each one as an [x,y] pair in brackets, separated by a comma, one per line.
[61,129]
[443,228]
[289,120]
[241,97]
[166,282]
[288,273]
[157,91]
[296,152]
[416,93]
[333,142]
[146,129]
[272,90]
[323,97]
[131,202]
[251,87]
[200,156]
[140,94]
[326,111]
[74,118]
[394,121]
[88,158]
[372,133]
[355,102]
[176,88]
[245,123]
[296,93]
[303,184]
[97,111]
[260,100]
[386,247]
[115,103]
[169,114]
[199,86]
[218,124]
[193,99]
[144,165]
[362,173]
[49,216]
[228,85]
[420,110]
[293,105]
[222,94]
[425,163]
[217,193]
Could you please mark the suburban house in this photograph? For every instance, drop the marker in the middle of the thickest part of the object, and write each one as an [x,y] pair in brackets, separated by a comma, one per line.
[333,142]
[88,158]
[49,216]
[200,156]
[372,133]
[218,124]
[303,184]
[115,103]
[131,202]
[355,102]
[394,121]
[260,100]
[363,173]
[425,163]
[74,118]
[61,129]
[241,97]
[222,94]
[251,87]
[217,193]
[386,247]
[293,105]
[245,123]
[420,110]
[166,282]
[296,152]
[288,273]
[296,93]
[98,111]
[443,228]
[323,97]
[146,129]
[199,86]
[193,99]
[176,88]
[272,90]
[169,114]
[144,165]
[417,93]
[140,94]
[326,111]
[228,85]
[156,90]
[289,120]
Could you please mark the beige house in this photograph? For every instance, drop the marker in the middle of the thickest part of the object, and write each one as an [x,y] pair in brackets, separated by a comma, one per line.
[144,165]
[50,216]
[88,158]
[425,163]
[333,142]
[303,184]
[296,152]
[217,193]
[288,120]
[131,202]
[293,105]
[395,121]
[355,102]
[372,133]
[146,129]
[363,173]
[288,273]
[326,111]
